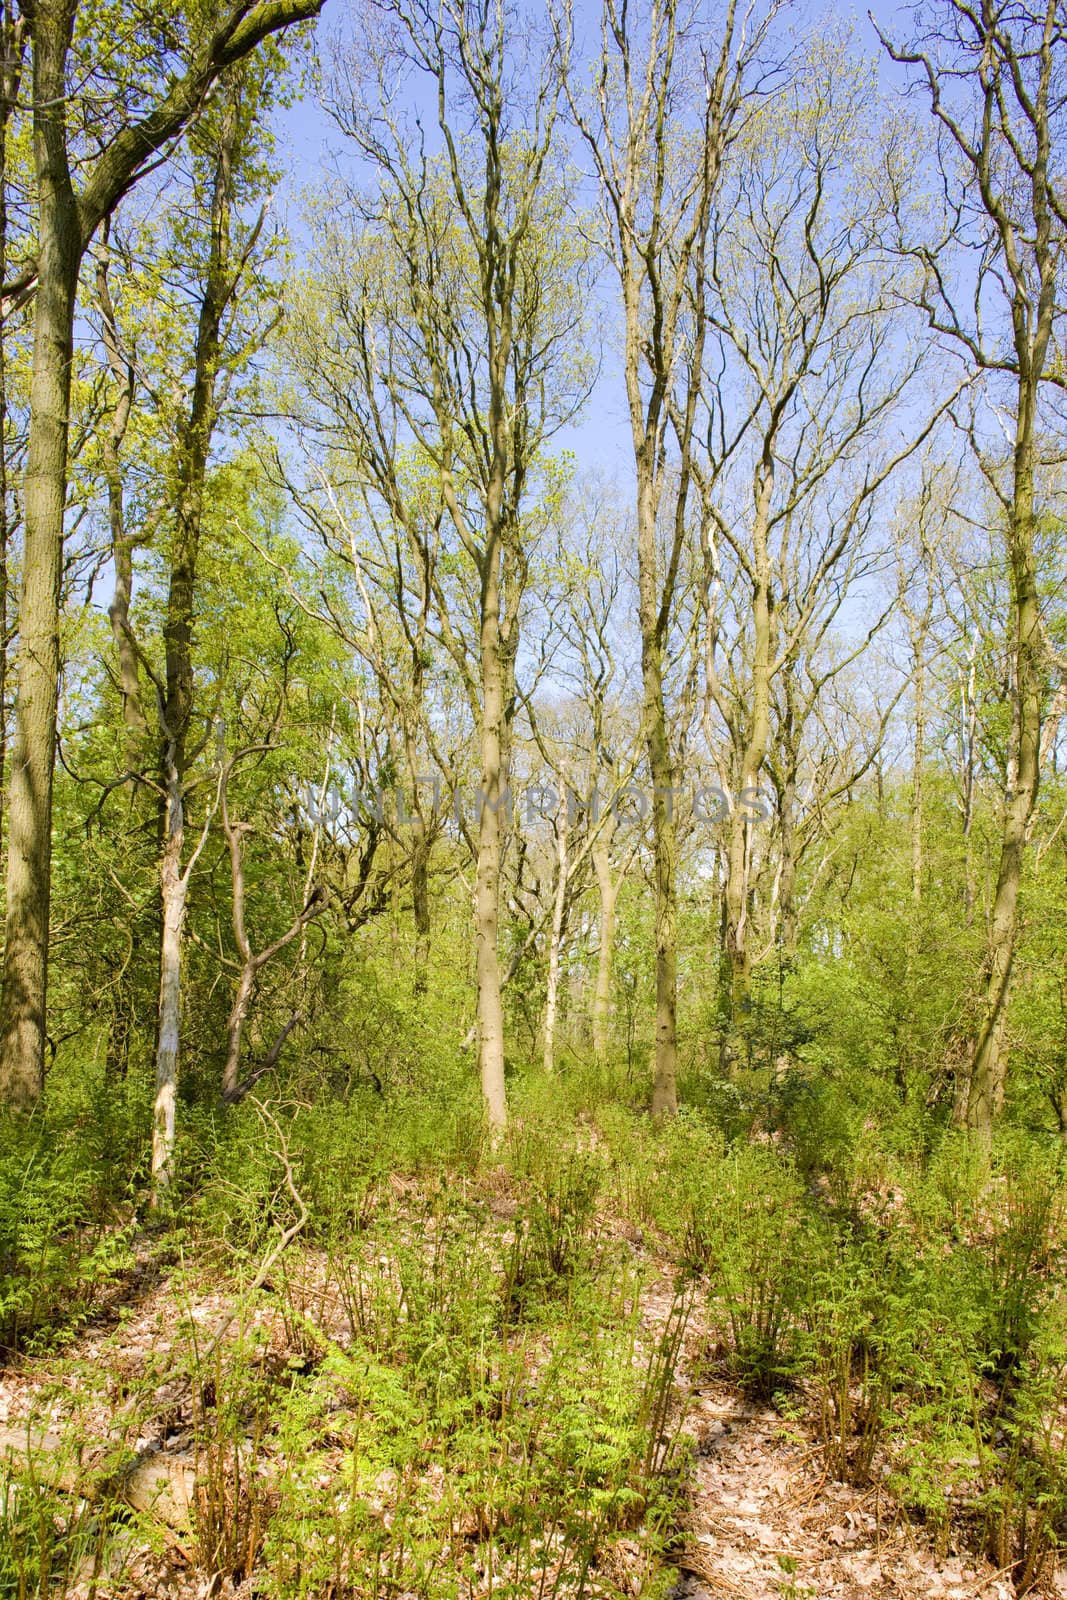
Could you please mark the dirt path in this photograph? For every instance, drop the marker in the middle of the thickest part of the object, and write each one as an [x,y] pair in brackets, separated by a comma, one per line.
[763,1521]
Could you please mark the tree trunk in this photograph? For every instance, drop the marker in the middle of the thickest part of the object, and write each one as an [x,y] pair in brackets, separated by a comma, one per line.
[608,890]
[174,886]
[555,937]
[988,1070]
[122,544]
[235,1032]
[420,902]
[738,856]
[12,34]
[787,883]
[918,762]
[969,722]
[249,967]
[22,1015]
[664,840]
[492,800]
[176,711]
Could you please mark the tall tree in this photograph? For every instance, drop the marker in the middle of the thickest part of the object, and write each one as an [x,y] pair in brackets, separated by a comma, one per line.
[669,97]
[807,373]
[209,340]
[13,46]
[184,56]
[995,74]
[447,361]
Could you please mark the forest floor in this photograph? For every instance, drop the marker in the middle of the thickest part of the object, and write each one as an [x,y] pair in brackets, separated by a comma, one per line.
[761,1519]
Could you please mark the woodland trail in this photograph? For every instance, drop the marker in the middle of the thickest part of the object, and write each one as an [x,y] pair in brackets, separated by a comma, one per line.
[762,1519]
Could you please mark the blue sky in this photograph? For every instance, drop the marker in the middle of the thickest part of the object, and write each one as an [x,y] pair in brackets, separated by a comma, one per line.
[600,436]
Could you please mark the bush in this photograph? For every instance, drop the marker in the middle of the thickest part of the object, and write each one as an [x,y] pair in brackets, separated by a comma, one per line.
[66,1213]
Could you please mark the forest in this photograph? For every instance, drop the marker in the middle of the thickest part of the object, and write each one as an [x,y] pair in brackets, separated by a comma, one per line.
[533,800]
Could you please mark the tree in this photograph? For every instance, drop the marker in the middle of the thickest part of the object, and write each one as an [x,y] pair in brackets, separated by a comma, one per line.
[13,46]
[664,111]
[807,374]
[227,147]
[174,76]
[996,78]
[446,363]
[592,594]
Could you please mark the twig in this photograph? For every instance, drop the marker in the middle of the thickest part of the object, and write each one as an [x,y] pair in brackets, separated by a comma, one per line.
[283,1242]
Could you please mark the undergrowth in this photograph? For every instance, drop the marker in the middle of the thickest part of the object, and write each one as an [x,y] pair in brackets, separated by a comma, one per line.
[446,1385]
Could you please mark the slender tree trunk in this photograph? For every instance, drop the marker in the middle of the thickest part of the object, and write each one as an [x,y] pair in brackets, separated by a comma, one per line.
[420,902]
[555,937]
[22,1015]
[918,763]
[235,1031]
[493,800]
[121,1010]
[192,449]
[497,634]
[738,857]
[736,949]
[664,839]
[249,967]
[787,883]
[608,891]
[970,725]
[989,1068]
[174,886]
[122,544]
[413,713]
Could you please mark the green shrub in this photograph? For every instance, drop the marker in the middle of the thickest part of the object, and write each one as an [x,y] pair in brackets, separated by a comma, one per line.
[749,1233]
[66,1221]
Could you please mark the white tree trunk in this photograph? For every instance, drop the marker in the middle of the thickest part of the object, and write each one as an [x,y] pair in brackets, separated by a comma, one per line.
[174,885]
[556,936]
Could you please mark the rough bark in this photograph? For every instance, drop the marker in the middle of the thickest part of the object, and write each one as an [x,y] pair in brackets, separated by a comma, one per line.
[23,1008]
[12,42]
